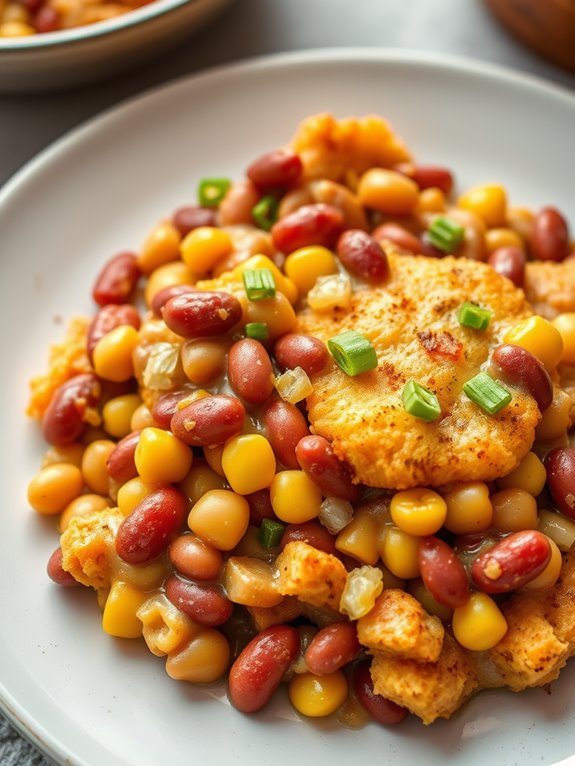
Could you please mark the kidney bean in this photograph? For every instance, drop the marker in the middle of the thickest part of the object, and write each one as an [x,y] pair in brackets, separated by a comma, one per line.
[47,19]
[260,506]
[202,314]
[236,207]
[260,667]
[428,176]
[318,224]
[305,351]
[277,169]
[332,648]
[209,421]
[164,408]
[512,562]
[443,573]
[285,427]
[163,296]
[509,262]
[120,463]
[382,710]
[343,199]
[311,532]
[362,255]
[57,574]
[63,419]
[117,280]
[404,239]
[191,217]
[108,318]
[334,477]
[519,367]
[250,371]
[203,603]
[550,235]
[147,531]
[194,558]
[560,466]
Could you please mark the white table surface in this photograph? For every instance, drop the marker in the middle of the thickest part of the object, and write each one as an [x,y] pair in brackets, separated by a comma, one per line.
[28,123]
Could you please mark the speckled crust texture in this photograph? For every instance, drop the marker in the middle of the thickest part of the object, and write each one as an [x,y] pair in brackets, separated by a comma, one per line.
[550,287]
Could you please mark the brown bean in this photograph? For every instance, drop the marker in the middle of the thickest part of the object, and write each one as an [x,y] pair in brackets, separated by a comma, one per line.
[108,318]
[428,176]
[550,235]
[205,604]
[334,477]
[250,371]
[363,256]
[277,169]
[399,236]
[382,710]
[120,463]
[117,280]
[57,574]
[311,532]
[260,506]
[192,217]
[202,314]
[443,573]
[512,562]
[153,523]
[317,224]
[195,558]
[163,296]
[332,648]
[560,466]
[509,262]
[260,667]
[63,419]
[343,199]
[296,350]
[285,426]
[209,421]
[236,207]
[519,367]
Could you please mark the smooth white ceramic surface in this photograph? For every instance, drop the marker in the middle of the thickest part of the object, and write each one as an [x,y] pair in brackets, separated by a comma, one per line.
[92,700]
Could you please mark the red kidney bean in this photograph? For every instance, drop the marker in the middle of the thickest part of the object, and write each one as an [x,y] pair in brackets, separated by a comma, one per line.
[509,262]
[277,169]
[153,523]
[63,419]
[250,371]
[260,667]
[382,710]
[512,562]
[332,648]
[362,255]
[117,280]
[443,573]
[164,408]
[191,217]
[312,533]
[120,464]
[402,238]
[163,296]
[519,367]
[428,176]
[194,558]
[203,603]
[56,573]
[209,421]
[334,477]
[560,466]
[305,351]
[550,235]
[202,314]
[285,427]
[318,224]
[108,318]
[47,19]
[260,507]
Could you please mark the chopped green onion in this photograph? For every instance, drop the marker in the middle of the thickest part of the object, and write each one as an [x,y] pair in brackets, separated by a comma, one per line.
[265,212]
[444,234]
[259,284]
[211,191]
[257,330]
[420,401]
[271,533]
[472,315]
[353,352]
[490,395]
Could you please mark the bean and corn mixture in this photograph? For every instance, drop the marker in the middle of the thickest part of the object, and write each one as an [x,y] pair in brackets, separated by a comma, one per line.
[216,469]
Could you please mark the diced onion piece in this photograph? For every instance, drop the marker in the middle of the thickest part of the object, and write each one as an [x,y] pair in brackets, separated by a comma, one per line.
[330,292]
[557,527]
[293,385]
[335,514]
[161,366]
[362,587]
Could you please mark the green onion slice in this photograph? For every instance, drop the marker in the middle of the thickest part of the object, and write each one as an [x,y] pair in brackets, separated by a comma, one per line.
[259,284]
[490,395]
[211,191]
[474,316]
[444,234]
[270,533]
[353,352]
[265,212]
[420,401]
[257,330]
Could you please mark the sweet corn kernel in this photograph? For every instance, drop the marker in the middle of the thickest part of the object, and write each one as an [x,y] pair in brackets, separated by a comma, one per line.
[132,493]
[359,538]
[502,237]
[112,355]
[418,511]
[164,626]
[489,202]
[249,463]
[70,453]
[161,458]
[80,506]
[479,624]
[175,273]
[141,418]
[16,29]
[469,508]
[54,487]
[213,457]
[94,467]
[145,577]
[276,313]
[362,586]
[318,696]
[556,419]
[200,480]
[431,200]
[204,246]
[251,582]
[284,284]
[530,475]
[221,518]
[400,553]
[540,337]
[202,660]
[558,528]
[388,191]
[120,612]
[305,265]
[514,510]
[565,324]
[294,497]
[117,414]
[161,246]
[549,576]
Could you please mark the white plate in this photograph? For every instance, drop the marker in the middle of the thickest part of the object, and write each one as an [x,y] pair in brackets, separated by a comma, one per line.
[89,699]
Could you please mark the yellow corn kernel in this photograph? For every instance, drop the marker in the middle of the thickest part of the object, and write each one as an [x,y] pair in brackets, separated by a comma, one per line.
[565,324]
[175,273]
[431,200]
[479,624]
[54,487]
[530,475]
[94,467]
[419,511]
[388,191]
[80,506]
[362,586]
[200,480]
[203,359]
[540,337]
[277,313]
[520,219]
[213,457]
[558,528]
[141,418]
[13,11]
[251,582]
[16,29]
[70,453]
[162,245]
[469,508]
[284,284]
[305,265]
[120,612]
[431,605]
[132,493]
[161,458]
[514,510]
[113,354]
[204,246]
[294,497]
[556,419]
[117,414]
[201,660]
[318,696]
[400,553]
[502,237]
[249,463]
[221,518]
[359,538]
[489,202]
[549,576]
[164,626]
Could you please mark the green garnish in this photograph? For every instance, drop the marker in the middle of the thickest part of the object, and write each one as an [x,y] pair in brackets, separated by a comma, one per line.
[420,401]
[211,191]
[472,315]
[444,234]
[270,533]
[490,395]
[265,212]
[353,352]
[259,284]
[257,330]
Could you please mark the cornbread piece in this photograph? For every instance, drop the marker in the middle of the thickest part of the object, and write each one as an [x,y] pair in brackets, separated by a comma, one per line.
[88,550]
[315,577]
[550,287]
[559,602]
